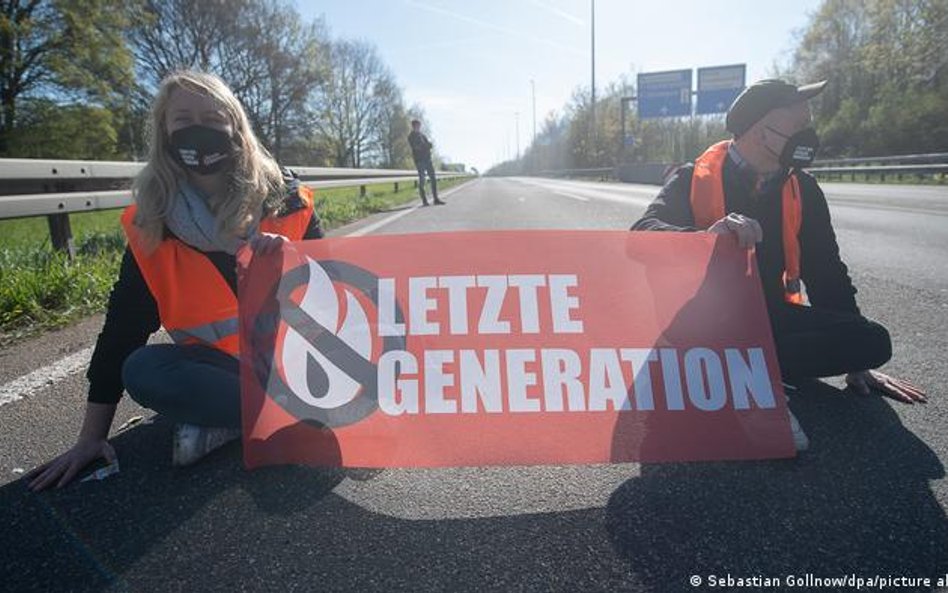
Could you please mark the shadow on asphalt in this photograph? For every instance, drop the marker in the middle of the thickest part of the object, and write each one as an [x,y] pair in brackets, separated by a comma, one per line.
[857,502]
[83,536]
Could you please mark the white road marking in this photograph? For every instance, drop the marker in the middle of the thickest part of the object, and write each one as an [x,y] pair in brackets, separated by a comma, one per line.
[390,219]
[26,385]
[379,224]
[629,194]
[574,196]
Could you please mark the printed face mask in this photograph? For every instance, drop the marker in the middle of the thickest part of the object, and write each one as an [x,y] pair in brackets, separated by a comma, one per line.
[201,149]
[799,149]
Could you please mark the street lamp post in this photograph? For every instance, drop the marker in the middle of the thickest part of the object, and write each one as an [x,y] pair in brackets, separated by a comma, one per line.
[517,131]
[533,93]
[593,70]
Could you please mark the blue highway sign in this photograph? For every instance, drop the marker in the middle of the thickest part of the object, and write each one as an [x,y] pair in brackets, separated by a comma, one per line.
[664,94]
[718,87]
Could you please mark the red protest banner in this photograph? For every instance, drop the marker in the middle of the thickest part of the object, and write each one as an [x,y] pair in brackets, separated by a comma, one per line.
[511,347]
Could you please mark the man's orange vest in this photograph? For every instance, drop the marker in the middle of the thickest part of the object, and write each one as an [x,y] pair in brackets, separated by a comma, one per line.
[707,205]
[195,303]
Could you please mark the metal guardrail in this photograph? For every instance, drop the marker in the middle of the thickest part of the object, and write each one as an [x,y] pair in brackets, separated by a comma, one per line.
[54,170]
[881,171]
[920,165]
[937,164]
[930,158]
[607,171]
[51,188]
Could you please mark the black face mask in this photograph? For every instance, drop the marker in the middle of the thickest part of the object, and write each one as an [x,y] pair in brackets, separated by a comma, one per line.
[799,150]
[201,149]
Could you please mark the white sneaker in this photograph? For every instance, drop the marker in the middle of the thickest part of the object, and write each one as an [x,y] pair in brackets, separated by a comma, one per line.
[192,442]
[800,440]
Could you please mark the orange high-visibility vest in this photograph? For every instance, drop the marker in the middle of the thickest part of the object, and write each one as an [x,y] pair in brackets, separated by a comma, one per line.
[707,205]
[195,303]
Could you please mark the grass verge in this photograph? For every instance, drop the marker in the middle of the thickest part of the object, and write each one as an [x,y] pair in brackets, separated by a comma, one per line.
[42,289]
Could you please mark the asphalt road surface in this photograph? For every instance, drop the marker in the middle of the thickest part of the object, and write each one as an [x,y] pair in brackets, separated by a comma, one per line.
[868,499]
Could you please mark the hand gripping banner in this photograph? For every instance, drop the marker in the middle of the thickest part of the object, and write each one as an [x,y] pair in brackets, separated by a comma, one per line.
[510,347]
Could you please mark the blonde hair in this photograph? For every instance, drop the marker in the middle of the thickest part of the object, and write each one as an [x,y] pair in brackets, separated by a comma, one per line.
[255,182]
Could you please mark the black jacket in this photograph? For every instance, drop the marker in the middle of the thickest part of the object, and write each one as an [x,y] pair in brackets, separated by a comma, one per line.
[824,274]
[420,147]
[132,314]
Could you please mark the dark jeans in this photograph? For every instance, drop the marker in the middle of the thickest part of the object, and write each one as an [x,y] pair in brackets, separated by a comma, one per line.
[191,384]
[813,342]
[426,167]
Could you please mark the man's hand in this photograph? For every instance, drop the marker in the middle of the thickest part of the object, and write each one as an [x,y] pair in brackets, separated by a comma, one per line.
[746,230]
[863,382]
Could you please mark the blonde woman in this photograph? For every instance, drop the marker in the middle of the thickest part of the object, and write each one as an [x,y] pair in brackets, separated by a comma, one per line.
[208,188]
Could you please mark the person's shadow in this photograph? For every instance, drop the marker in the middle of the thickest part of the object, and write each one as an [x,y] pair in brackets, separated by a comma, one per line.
[112,524]
[857,502]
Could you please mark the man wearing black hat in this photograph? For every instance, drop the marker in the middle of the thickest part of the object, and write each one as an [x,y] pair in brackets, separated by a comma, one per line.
[754,188]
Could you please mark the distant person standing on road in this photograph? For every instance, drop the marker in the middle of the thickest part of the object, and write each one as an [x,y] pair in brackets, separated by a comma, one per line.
[208,189]
[754,188]
[421,153]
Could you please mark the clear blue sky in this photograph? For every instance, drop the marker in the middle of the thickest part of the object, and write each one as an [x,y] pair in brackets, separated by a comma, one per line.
[469,62]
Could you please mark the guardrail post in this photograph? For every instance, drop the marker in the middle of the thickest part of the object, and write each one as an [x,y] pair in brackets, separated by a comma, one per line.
[361,191]
[396,187]
[60,232]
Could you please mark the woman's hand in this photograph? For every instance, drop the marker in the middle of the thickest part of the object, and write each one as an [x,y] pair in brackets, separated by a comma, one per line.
[91,445]
[63,469]
[267,243]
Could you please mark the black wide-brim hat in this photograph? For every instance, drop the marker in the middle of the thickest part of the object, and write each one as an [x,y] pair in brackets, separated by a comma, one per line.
[764,96]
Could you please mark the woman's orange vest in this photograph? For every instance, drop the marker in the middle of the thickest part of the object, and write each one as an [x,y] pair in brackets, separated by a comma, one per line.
[707,205]
[195,303]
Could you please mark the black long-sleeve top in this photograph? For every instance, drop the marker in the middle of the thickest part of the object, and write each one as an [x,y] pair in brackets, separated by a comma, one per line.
[420,146]
[824,274]
[132,316]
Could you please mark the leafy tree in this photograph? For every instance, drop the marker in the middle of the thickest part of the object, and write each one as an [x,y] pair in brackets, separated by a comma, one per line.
[887,63]
[63,49]
[46,130]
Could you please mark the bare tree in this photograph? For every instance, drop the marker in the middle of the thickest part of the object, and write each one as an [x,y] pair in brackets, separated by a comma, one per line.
[353,102]
[178,34]
[392,133]
[294,59]
[271,59]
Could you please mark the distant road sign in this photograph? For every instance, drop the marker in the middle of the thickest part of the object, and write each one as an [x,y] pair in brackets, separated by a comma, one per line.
[718,87]
[664,94]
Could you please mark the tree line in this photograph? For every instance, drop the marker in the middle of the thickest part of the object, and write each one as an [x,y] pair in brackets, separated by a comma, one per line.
[887,63]
[77,78]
